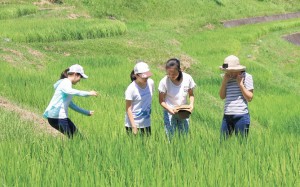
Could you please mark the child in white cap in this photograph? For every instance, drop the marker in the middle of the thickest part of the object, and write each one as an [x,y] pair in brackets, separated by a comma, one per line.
[138,96]
[57,110]
[237,90]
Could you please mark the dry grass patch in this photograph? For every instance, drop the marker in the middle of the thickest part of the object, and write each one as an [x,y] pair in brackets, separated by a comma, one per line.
[26,115]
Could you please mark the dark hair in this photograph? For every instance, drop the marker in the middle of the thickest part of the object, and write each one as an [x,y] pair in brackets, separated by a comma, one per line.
[132,76]
[174,62]
[64,74]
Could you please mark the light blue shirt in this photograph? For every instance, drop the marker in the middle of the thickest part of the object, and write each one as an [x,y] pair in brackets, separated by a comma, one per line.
[62,100]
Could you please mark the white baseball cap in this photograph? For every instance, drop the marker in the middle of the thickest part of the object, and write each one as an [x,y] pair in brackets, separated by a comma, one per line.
[143,69]
[76,68]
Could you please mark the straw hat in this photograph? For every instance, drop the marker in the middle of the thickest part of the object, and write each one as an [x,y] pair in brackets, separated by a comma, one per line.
[232,64]
[183,111]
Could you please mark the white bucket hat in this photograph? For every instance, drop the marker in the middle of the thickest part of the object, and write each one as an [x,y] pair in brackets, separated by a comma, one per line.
[76,68]
[232,63]
[143,69]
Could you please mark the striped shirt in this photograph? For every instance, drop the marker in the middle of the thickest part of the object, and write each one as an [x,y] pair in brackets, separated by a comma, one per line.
[235,102]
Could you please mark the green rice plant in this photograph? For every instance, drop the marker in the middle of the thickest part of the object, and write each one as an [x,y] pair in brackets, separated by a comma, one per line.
[207,11]
[264,160]
[40,30]
[105,155]
[219,2]
[12,11]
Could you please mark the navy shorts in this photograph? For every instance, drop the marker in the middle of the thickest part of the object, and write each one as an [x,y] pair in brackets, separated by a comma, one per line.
[239,124]
[65,126]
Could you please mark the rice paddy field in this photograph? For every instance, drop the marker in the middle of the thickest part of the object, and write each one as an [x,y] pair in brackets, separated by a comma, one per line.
[38,40]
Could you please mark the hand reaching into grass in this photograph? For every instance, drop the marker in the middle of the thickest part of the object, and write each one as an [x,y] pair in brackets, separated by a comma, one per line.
[134,130]
[92,113]
[93,93]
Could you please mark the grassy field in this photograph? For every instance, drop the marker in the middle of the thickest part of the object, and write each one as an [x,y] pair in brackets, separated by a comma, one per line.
[36,30]
[38,41]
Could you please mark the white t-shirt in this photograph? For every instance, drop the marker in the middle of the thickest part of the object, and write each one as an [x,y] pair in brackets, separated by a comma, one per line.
[176,95]
[141,103]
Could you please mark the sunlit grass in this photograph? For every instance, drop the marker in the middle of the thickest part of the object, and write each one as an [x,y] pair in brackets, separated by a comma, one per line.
[51,30]
[106,156]
[13,11]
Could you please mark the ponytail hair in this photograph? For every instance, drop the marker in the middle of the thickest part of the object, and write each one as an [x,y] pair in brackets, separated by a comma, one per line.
[64,74]
[174,62]
[132,76]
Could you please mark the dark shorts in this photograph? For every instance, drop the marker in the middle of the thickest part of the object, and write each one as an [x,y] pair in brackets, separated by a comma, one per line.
[239,124]
[65,126]
[142,131]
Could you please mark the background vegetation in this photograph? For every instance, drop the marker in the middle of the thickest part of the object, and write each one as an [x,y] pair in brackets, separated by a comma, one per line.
[39,40]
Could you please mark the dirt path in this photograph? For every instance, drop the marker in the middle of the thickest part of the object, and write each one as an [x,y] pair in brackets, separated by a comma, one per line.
[40,123]
[245,21]
[293,38]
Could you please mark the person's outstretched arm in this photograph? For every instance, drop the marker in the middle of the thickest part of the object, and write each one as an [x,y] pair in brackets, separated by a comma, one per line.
[80,110]
[67,89]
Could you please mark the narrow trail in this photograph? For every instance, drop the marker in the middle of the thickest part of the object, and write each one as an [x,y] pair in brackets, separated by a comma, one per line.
[260,19]
[40,123]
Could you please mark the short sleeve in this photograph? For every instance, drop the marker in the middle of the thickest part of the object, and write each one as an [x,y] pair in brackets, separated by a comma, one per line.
[249,82]
[192,84]
[129,93]
[151,85]
[162,87]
